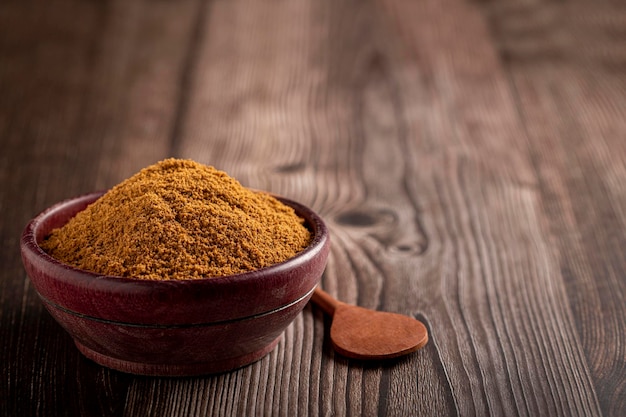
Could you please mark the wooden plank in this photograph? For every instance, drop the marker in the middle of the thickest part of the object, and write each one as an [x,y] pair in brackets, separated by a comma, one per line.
[583,177]
[509,340]
[567,72]
[291,121]
[89,95]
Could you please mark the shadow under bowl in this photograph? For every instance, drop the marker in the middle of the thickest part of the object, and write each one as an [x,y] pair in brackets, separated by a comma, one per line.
[173,327]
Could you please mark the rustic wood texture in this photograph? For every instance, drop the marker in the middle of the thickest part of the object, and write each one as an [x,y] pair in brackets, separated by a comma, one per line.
[468,156]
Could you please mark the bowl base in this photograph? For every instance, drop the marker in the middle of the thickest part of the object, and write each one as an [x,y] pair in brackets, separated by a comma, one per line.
[190,369]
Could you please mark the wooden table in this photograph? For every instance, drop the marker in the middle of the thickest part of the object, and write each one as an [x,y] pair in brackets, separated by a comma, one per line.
[469,158]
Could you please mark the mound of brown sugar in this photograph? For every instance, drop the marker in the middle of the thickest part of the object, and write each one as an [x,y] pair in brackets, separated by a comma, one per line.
[179,219]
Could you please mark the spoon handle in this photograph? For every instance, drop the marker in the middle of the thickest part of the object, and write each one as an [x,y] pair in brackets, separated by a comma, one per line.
[324,300]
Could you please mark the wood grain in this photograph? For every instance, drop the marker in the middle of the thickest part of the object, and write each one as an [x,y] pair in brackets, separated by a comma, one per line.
[468,157]
[573,106]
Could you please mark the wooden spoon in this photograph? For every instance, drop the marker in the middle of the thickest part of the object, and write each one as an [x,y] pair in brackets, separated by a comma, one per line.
[359,333]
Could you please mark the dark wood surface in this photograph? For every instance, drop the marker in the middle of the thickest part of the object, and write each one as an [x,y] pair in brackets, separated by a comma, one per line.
[469,158]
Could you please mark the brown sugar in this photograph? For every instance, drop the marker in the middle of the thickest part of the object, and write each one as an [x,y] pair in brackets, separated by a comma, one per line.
[179,219]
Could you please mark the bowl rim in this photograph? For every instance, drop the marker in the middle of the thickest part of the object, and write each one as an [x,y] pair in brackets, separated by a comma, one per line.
[60,277]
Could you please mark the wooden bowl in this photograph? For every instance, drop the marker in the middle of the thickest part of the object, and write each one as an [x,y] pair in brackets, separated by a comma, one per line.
[173,327]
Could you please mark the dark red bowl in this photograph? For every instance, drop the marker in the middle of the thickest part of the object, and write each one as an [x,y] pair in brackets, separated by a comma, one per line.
[173,327]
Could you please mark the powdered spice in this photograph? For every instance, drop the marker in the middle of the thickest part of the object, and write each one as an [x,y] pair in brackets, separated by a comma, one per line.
[179,219]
